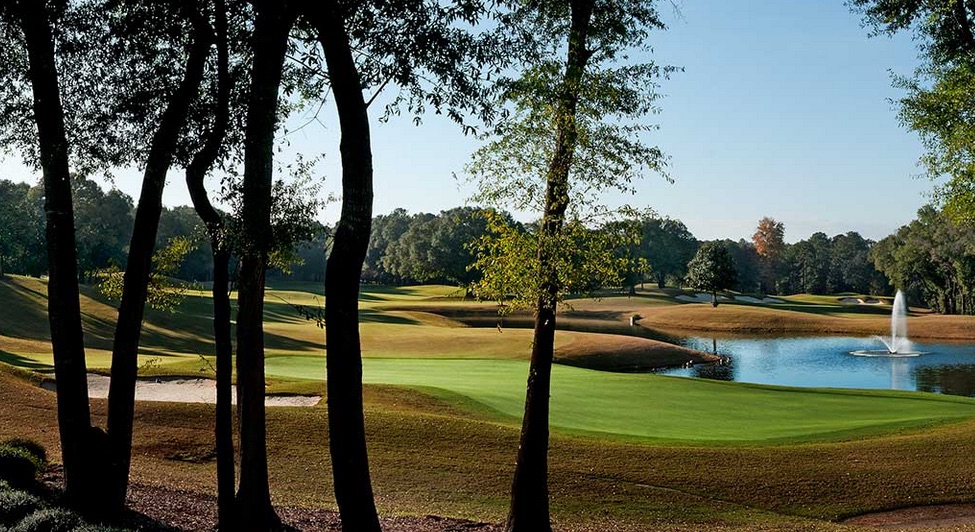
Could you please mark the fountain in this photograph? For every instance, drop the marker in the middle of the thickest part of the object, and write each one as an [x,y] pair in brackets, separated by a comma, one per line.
[897,345]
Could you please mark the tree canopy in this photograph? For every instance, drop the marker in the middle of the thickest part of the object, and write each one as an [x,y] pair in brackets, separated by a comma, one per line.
[712,269]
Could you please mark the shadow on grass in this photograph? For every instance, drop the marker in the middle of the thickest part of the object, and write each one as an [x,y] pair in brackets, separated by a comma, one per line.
[23,362]
[372,316]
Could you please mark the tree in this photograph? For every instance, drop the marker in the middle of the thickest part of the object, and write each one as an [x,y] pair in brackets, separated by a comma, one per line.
[570,136]
[183,222]
[940,95]
[421,48]
[438,248]
[103,225]
[770,245]
[29,25]
[21,229]
[272,25]
[931,259]
[809,265]
[850,267]
[386,229]
[159,158]
[668,246]
[712,269]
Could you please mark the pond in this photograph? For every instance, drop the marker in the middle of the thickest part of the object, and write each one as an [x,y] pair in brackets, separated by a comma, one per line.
[826,362]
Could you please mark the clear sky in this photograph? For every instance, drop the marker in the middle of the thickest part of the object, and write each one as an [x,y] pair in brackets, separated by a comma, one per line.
[782,110]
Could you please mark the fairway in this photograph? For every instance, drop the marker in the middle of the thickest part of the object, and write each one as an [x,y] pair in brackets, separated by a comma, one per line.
[658,408]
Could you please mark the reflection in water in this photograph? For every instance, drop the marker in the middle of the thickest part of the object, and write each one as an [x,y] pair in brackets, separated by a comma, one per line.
[947,368]
[723,370]
[951,380]
[900,374]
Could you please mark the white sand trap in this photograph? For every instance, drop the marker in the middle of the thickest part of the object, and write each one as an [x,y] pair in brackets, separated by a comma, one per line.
[700,297]
[182,390]
[750,299]
[858,301]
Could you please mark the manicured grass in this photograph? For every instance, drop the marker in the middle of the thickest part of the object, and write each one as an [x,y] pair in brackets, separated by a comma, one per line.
[661,408]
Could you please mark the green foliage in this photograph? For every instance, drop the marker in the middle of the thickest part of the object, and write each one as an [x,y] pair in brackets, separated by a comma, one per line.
[933,260]
[49,520]
[16,505]
[940,97]
[103,226]
[808,265]
[437,249]
[18,466]
[660,249]
[712,269]
[577,128]
[507,257]
[21,229]
[163,293]
[30,446]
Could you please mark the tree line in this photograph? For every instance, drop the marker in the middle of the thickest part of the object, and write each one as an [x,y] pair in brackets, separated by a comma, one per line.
[932,259]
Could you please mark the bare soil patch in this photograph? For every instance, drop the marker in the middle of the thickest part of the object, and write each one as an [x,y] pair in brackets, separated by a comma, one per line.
[193,511]
[918,517]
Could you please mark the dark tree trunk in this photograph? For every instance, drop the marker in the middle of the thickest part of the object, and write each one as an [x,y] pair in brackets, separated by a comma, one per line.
[224,423]
[271,27]
[195,174]
[81,473]
[346,424]
[529,511]
[125,349]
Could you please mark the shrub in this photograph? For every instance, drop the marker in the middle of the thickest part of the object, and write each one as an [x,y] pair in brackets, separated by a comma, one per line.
[18,467]
[32,447]
[49,520]
[15,505]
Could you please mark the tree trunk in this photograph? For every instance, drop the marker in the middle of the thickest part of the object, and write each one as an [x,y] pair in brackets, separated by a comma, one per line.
[195,174]
[223,426]
[272,25]
[529,511]
[125,348]
[714,299]
[81,475]
[343,270]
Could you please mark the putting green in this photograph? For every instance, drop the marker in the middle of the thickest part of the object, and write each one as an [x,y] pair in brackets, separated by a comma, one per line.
[661,408]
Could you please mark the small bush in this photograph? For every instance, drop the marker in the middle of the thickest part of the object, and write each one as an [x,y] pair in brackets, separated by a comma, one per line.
[49,520]
[18,467]
[32,447]
[16,505]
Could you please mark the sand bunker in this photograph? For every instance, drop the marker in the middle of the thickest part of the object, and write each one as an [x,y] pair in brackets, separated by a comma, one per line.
[859,301]
[750,299]
[701,297]
[183,390]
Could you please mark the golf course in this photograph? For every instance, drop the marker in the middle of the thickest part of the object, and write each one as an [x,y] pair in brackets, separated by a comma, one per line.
[445,381]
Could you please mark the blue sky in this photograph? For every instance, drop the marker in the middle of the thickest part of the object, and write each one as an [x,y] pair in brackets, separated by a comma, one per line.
[782,110]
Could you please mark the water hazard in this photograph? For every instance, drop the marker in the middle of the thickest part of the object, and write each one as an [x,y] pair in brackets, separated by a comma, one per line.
[826,362]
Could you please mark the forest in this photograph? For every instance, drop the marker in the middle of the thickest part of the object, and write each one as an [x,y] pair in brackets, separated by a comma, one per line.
[932,259]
